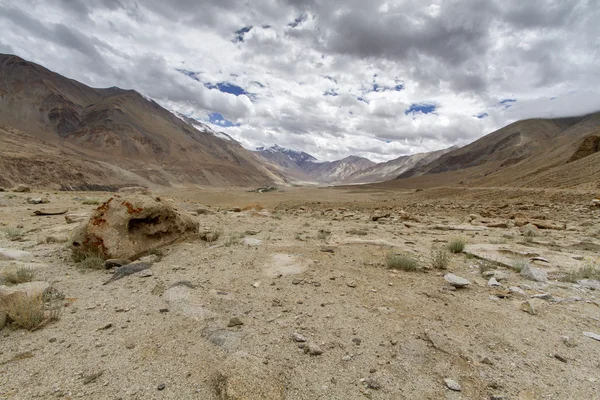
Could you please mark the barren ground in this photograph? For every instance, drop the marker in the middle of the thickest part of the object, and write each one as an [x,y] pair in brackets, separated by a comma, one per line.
[384,334]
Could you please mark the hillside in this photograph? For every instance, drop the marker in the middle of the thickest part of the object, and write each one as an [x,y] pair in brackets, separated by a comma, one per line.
[529,153]
[120,127]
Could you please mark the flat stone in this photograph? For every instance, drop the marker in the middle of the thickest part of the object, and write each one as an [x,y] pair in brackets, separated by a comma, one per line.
[12,254]
[528,307]
[517,290]
[251,242]
[592,335]
[452,385]
[493,282]
[313,349]
[589,283]
[234,321]
[35,288]
[456,281]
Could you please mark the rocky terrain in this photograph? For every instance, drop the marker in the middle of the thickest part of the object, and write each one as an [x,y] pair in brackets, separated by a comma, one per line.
[290,295]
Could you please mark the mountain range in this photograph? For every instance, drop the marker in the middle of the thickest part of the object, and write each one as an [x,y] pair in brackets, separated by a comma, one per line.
[57,132]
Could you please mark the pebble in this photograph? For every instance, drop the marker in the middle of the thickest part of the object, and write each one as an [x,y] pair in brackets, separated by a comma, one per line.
[161,386]
[357,341]
[592,335]
[518,290]
[313,349]
[298,337]
[493,282]
[234,321]
[351,284]
[534,274]
[346,358]
[452,385]
[456,281]
[372,384]
[528,307]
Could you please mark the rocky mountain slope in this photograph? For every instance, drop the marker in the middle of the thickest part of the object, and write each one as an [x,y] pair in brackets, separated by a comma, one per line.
[531,153]
[304,167]
[120,127]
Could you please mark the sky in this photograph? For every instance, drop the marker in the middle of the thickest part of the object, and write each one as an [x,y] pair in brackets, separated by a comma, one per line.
[333,78]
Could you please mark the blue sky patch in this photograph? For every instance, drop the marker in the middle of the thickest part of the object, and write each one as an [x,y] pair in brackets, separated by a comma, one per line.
[218,119]
[425,108]
[506,103]
[331,92]
[482,115]
[239,34]
[297,21]
[191,74]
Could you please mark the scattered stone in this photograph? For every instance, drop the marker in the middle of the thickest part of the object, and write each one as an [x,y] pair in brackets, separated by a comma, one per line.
[456,281]
[126,226]
[46,212]
[486,360]
[234,321]
[37,200]
[534,274]
[21,189]
[577,257]
[452,385]
[161,386]
[313,349]
[256,285]
[560,358]
[372,384]
[163,310]
[298,337]
[30,289]
[590,283]
[145,273]
[592,335]
[542,296]
[493,282]
[351,284]
[357,341]
[73,218]
[251,242]
[346,358]
[498,275]
[569,342]
[377,217]
[126,270]
[528,307]
[115,262]
[11,254]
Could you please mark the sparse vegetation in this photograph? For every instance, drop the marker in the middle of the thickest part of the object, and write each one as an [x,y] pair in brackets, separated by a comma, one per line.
[588,271]
[456,245]
[213,235]
[13,233]
[484,266]
[88,261]
[26,312]
[403,261]
[440,258]
[19,275]
[91,202]
[519,263]
[234,238]
[277,215]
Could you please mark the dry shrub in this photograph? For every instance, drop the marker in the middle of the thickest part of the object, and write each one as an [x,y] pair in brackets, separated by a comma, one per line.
[26,311]
[403,261]
[456,245]
[440,258]
[19,275]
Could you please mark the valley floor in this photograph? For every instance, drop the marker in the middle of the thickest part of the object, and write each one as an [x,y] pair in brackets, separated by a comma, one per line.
[312,265]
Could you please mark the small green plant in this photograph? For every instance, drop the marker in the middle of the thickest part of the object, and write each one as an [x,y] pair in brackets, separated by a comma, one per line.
[234,238]
[588,271]
[91,202]
[519,263]
[19,275]
[440,258]
[13,233]
[323,234]
[403,261]
[456,245]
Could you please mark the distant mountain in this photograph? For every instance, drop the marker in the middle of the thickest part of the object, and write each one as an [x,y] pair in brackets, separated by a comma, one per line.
[122,128]
[303,167]
[391,169]
[561,152]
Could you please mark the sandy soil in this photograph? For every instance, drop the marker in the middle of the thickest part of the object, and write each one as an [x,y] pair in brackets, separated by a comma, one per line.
[313,264]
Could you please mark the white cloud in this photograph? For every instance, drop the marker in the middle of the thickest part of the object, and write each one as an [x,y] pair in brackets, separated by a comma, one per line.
[305,79]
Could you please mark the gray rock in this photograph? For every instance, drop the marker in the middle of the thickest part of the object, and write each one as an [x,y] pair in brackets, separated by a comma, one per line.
[21,189]
[498,275]
[590,283]
[12,254]
[493,282]
[115,262]
[528,307]
[592,335]
[456,281]
[452,385]
[313,349]
[534,274]
[298,337]
[37,200]
[126,270]
[517,290]
[542,296]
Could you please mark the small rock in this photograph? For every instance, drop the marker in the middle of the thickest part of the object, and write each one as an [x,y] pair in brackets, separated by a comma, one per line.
[372,384]
[578,258]
[313,349]
[37,200]
[560,358]
[346,358]
[569,342]
[234,321]
[589,283]
[493,282]
[542,296]
[534,274]
[517,290]
[115,262]
[351,284]
[452,385]
[298,337]
[456,281]
[145,273]
[161,386]
[256,285]
[486,360]
[528,307]
[21,189]
[357,341]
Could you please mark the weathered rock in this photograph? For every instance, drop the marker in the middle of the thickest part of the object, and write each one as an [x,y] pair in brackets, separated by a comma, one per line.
[21,189]
[498,275]
[377,217]
[529,230]
[534,274]
[72,218]
[493,282]
[452,385]
[127,270]
[590,283]
[234,321]
[313,349]
[37,200]
[543,224]
[245,377]
[528,307]
[12,254]
[127,226]
[456,281]
[115,262]
[298,337]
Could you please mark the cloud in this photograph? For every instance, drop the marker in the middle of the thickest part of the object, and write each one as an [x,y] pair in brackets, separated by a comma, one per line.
[333,78]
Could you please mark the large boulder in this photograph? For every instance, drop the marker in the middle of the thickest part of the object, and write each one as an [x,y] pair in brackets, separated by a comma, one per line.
[130,225]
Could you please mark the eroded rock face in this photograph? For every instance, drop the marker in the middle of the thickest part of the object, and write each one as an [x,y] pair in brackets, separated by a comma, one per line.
[129,225]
